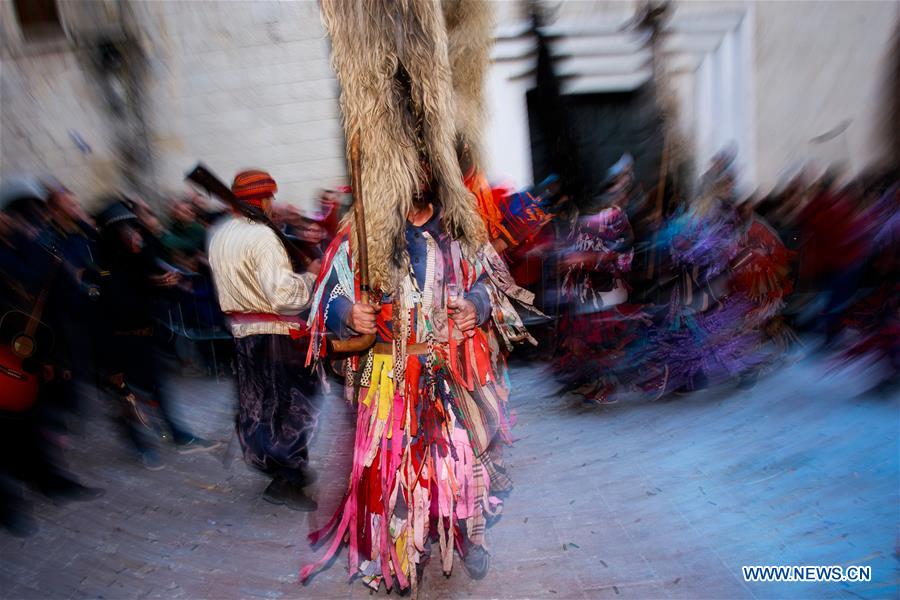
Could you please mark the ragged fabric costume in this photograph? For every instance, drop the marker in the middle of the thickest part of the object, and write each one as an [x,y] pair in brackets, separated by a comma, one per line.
[599,329]
[599,326]
[431,400]
[731,278]
[762,270]
[763,275]
[431,403]
[698,339]
[490,213]
[524,215]
[873,319]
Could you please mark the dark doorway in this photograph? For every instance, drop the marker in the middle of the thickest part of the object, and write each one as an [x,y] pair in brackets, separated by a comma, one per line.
[38,18]
[607,126]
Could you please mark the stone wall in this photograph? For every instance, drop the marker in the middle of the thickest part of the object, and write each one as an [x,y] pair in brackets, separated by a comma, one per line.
[243,84]
[52,116]
[786,82]
[821,67]
[234,84]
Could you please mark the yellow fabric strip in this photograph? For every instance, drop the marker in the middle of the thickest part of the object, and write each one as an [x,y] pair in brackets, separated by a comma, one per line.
[381,387]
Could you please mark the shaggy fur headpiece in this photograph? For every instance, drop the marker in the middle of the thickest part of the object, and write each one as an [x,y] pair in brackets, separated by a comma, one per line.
[470,37]
[370,41]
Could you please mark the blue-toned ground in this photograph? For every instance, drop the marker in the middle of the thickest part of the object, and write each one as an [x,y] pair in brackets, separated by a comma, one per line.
[639,500]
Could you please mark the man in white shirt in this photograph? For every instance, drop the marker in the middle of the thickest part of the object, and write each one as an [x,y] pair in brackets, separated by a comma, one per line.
[263,299]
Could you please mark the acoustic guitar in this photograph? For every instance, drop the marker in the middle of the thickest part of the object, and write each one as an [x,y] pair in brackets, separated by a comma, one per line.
[24,340]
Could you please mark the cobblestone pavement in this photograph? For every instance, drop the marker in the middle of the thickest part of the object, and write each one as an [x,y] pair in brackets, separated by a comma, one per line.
[642,500]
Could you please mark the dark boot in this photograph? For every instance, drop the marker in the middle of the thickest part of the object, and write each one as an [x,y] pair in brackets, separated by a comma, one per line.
[308,476]
[15,512]
[477,561]
[289,493]
[17,520]
[272,494]
[62,489]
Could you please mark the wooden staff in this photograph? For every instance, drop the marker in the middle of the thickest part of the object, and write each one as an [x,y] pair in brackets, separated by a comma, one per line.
[359,343]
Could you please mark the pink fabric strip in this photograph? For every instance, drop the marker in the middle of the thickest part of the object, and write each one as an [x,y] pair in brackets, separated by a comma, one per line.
[317,535]
[349,505]
[384,551]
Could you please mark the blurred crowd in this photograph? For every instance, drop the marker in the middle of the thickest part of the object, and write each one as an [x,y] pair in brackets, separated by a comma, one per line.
[114,302]
[648,292]
[657,292]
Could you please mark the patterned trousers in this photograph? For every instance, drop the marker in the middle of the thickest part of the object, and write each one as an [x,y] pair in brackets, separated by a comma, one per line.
[278,410]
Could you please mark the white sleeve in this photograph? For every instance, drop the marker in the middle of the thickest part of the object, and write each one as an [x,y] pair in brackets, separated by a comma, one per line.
[288,292]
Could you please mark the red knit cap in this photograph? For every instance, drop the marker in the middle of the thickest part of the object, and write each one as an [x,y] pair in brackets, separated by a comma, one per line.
[253,186]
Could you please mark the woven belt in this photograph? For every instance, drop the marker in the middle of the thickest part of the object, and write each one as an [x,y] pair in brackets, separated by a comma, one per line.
[296,326]
[411,349]
[245,318]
